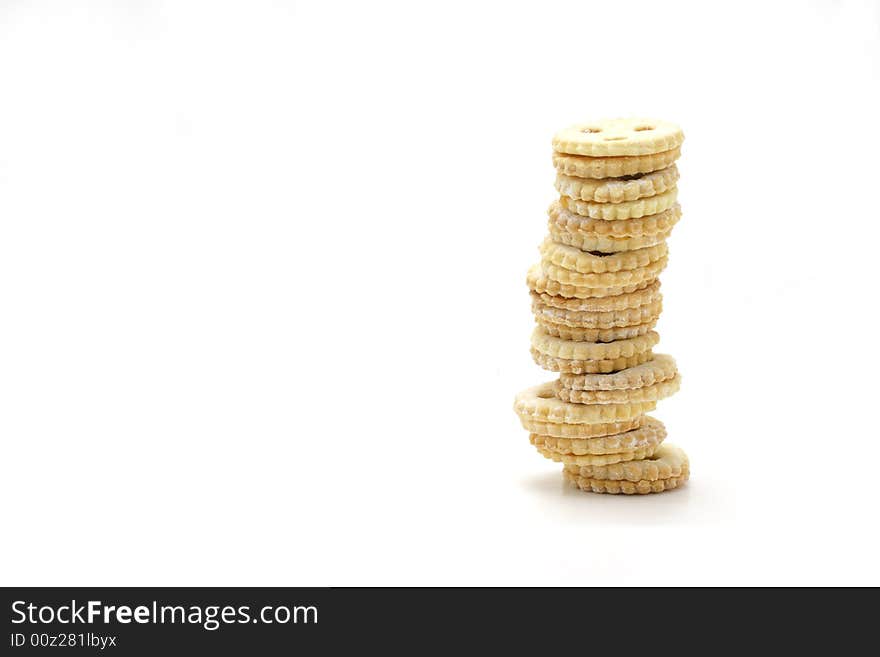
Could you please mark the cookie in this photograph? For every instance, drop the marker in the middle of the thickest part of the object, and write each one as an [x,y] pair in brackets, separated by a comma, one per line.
[540,403]
[560,318]
[606,244]
[653,392]
[572,366]
[584,166]
[650,433]
[539,282]
[667,462]
[595,262]
[615,137]
[624,209]
[593,334]
[558,348]
[640,297]
[575,432]
[605,280]
[614,487]
[655,370]
[596,459]
[564,219]
[616,190]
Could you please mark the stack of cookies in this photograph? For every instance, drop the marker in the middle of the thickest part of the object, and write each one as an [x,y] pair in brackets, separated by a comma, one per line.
[596,299]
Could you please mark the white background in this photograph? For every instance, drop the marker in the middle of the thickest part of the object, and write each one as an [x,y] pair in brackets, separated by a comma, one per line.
[262,300]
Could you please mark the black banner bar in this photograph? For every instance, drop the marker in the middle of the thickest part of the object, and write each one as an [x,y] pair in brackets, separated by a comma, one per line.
[316,621]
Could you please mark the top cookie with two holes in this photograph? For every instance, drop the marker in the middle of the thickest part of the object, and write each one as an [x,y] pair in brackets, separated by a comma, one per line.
[618,137]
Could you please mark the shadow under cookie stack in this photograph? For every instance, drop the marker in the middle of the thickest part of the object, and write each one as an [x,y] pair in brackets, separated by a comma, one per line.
[596,298]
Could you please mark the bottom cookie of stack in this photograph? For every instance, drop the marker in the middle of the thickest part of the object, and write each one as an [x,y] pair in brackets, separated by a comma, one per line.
[666,469]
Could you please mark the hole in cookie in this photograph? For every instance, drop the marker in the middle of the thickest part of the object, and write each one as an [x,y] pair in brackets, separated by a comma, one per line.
[640,128]
[601,254]
[614,138]
[590,131]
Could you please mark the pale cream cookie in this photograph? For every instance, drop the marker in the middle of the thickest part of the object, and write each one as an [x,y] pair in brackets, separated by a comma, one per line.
[616,137]
[624,209]
[585,262]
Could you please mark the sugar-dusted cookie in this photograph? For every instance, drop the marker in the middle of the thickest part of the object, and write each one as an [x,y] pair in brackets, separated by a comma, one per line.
[667,461]
[654,392]
[667,468]
[617,190]
[547,315]
[566,220]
